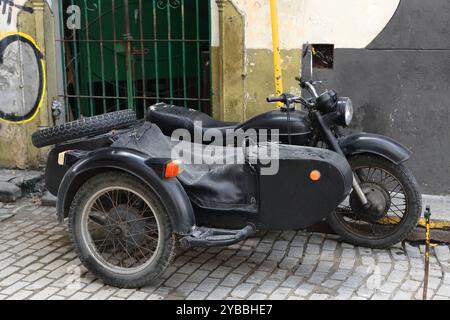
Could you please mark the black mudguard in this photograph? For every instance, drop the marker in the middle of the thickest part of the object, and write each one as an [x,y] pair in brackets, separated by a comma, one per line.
[56,172]
[291,199]
[375,144]
[171,192]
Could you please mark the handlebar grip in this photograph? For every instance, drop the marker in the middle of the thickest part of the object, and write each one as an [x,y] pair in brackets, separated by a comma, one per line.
[274,99]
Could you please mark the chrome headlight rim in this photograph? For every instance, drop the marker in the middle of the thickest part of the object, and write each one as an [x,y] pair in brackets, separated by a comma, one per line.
[345,111]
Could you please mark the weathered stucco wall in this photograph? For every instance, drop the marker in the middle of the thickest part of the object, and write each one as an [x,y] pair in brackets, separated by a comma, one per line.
[346,23]
[399,85]
[391,57]
[23,79]
[248,43]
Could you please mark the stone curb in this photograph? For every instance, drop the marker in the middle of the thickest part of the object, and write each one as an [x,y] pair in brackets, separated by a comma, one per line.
[9,192]
[17,183]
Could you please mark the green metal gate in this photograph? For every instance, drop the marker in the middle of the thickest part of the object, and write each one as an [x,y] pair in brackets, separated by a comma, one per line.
[134,53]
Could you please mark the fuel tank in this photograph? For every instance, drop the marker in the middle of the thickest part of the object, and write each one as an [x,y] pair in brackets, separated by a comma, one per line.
[300,125]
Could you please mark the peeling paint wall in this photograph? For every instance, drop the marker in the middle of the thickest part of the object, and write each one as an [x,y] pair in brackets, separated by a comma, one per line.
[399,85]
[344,23]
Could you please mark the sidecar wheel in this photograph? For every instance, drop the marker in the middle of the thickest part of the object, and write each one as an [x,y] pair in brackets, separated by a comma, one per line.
[121,230]
[399,200]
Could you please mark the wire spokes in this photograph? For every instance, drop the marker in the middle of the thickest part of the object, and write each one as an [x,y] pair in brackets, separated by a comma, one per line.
[123,229]
[357,222]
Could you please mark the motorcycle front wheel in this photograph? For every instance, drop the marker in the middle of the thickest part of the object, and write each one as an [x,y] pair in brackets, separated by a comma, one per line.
[396,204]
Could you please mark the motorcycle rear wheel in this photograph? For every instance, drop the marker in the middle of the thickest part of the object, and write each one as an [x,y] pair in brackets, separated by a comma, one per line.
[401,198]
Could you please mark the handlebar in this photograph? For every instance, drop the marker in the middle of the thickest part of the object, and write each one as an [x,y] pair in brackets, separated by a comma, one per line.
[302,83]
[272,99]
[288,99]
[308,85]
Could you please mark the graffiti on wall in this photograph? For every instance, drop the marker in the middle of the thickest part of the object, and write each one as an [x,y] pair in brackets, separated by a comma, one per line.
[8,7]
[22,69]
[9,11]
[22,78]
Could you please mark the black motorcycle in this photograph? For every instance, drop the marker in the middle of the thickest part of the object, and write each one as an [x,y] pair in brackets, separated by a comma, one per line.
[129,203]
[385,204]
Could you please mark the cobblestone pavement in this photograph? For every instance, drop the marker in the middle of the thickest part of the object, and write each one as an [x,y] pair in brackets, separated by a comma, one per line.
[37,262]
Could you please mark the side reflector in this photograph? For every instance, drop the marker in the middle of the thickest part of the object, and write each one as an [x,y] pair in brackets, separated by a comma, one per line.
[173,169]
[315,175]
[62,157]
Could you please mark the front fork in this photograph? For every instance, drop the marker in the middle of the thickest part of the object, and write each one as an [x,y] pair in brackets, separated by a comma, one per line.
[334,145]
[361,196]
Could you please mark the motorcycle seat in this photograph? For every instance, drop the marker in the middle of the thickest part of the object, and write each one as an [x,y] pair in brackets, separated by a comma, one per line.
[169,118]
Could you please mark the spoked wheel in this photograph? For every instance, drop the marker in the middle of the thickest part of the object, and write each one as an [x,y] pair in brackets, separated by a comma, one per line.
[395,204]
[121,230]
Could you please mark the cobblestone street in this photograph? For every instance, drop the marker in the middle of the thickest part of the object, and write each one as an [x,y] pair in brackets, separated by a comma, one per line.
[37,262]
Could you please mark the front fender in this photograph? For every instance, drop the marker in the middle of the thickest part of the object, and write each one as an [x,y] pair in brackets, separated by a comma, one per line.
[375,144]
[171,192]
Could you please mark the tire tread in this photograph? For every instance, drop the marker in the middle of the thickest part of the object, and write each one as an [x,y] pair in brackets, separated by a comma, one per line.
[407,226]
[83,128]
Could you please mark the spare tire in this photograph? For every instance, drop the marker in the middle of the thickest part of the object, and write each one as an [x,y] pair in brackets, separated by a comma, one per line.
[84,127]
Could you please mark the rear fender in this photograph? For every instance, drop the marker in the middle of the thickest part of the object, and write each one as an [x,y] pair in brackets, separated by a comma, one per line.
[171,192]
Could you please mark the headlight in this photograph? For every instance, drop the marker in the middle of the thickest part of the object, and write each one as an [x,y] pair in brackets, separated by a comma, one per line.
[326,102]
[345,111]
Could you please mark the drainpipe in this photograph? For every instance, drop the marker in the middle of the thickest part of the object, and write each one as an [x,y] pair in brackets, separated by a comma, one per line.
[276,50]
[221,5]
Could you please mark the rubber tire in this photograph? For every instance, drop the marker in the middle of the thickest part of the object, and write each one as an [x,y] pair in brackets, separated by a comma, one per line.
[84,127]
[166,249]
[413,195]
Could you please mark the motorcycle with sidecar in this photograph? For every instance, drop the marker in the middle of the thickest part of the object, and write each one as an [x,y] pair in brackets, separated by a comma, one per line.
[130,202]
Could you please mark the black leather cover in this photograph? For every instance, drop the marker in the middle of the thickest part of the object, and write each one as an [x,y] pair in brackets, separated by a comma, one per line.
[222,187]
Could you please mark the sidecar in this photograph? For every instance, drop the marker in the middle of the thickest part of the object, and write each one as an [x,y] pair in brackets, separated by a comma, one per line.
[130,196]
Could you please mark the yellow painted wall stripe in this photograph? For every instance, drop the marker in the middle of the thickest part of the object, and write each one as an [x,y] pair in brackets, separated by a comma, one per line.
[276,50]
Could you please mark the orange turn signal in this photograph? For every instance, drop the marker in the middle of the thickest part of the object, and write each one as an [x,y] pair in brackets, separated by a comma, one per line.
[173,169]
[315,175]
